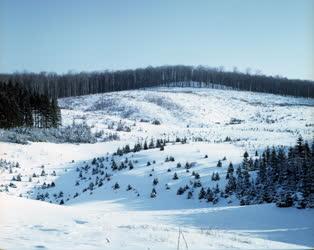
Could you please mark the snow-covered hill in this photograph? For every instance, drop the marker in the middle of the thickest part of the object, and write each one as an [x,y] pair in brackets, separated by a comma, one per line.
[126,216]
[252,119]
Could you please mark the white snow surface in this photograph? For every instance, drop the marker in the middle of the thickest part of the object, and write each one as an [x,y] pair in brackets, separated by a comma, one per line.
[120,219]
[265,119]
[30,224]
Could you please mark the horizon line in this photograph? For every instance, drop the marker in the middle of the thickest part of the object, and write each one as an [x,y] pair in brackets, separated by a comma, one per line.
[221,68]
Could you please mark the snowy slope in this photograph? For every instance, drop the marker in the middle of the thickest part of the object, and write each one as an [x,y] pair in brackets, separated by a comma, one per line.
[253,119]
[105,225]
[120,219]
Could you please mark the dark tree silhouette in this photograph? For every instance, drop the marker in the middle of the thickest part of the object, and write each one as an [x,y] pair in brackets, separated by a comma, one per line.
[20,107]
[85,83]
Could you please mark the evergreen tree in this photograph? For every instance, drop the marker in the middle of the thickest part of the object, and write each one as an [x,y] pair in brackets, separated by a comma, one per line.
[114,165]
[239,182]
[155,181]
[245,162]
[202,194]
[261,175]
[153,194]
[231,184]
[20,107]
[219,164]
[246,185]
[230,170]
[151,144]
[190,195]
[209,195]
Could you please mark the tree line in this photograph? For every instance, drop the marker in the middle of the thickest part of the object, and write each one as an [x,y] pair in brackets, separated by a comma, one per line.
[74,84]
[286,178]
[21,107]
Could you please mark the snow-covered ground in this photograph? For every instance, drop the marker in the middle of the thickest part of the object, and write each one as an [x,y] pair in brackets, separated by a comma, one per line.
[254,120]
[29,224]
[119,219]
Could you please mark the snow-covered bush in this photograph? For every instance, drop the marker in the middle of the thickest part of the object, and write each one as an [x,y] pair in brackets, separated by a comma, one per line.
[156,122]
[123,127]
[74,133]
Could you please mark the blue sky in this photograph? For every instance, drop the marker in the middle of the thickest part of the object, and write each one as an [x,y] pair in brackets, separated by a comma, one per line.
[274,36]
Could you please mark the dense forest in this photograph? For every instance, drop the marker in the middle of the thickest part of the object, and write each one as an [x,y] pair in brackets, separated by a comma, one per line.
[286,178]
[74,84]
[20,107]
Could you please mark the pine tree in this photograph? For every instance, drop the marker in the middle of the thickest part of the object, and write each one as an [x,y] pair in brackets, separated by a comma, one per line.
[126,149]
[245,162]
[158,143]
[209,195]
[130,165]
[175,176]
[231,184]
[116,186]
[230,170]
[261,175]
[151,144]
[190,195]
[217,189]
[55,114]
[239,182]
[219,164]
[155,181]
[114,165]
[153,194]
[180,191]
[202,194]
[246,185]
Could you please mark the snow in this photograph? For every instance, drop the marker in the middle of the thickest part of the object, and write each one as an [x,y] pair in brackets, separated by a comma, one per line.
[265,118]
[102,225]
[120,219]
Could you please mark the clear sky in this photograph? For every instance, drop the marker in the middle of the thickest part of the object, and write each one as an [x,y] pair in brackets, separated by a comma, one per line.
[274,36]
